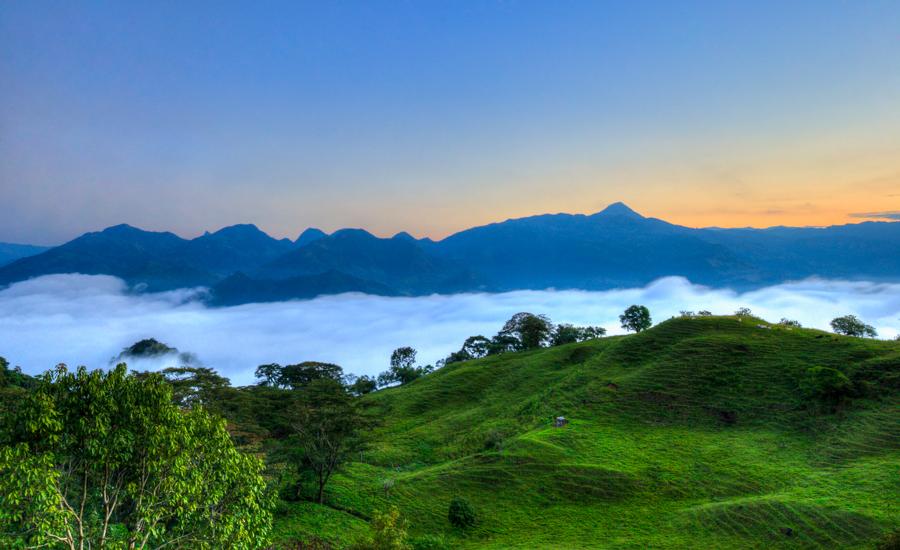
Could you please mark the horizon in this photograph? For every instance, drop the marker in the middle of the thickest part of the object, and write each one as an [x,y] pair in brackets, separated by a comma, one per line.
[856,220]
[432,118]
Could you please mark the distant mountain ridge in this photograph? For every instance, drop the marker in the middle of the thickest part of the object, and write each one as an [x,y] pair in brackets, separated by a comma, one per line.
[614,248]
[10,252]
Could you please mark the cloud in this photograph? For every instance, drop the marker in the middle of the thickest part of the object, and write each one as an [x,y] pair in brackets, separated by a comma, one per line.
[891,215]
[82,319]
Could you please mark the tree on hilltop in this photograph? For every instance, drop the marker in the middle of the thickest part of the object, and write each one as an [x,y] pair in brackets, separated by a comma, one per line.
[850,325]
[636,318]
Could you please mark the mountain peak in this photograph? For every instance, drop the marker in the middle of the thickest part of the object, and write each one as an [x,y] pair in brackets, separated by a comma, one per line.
[121,228]
[403,236]
[309,235]
[240,229]
[618,209]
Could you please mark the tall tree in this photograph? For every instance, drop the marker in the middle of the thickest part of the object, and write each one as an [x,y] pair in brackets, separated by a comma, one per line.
[636,318]
[403,368]
[105,459]
[328,428]
[532,331]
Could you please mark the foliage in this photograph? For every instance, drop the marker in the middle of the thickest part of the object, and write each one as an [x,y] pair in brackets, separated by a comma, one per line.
[530,330]
[743,312]
[476,347]
[569,334]
[785,322]
[297,376]
[403,369]
[362,385]
[460,513]
[636,318]
[194,385]
[328,431]
[388,532]
[850,325]
[704,313]
[14,377]
[97,458]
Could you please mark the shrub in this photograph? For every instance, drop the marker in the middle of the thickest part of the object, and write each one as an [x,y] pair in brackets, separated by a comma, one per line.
[461,514]
[388,532]
[743,312]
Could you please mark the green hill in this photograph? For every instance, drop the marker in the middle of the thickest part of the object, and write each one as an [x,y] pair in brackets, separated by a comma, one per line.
[696,433]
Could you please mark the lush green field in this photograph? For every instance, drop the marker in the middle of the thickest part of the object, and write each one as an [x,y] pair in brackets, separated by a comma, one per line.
[693,434]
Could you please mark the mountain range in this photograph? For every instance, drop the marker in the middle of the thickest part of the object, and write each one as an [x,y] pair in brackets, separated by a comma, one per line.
[614,248]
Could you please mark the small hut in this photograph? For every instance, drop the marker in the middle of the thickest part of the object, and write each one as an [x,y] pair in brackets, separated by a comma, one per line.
[560,422]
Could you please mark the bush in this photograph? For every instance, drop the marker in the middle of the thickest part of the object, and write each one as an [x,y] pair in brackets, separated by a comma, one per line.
[429,542]
[388,532]
[461,514]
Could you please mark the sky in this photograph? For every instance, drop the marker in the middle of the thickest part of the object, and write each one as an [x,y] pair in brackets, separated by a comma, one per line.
[431,117]
[89,319]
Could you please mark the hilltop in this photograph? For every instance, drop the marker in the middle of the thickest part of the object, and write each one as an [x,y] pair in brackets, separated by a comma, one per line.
[696,433]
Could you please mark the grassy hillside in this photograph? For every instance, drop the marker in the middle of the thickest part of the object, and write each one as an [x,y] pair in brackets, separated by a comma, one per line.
[695,433]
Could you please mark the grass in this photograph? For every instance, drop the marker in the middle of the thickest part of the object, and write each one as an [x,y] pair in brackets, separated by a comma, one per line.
[692,434]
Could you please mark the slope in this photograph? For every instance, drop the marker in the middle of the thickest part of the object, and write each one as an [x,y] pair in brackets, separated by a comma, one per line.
[695,433]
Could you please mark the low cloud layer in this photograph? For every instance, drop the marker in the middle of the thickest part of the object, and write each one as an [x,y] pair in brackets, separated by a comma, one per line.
[87,320]
[892,215]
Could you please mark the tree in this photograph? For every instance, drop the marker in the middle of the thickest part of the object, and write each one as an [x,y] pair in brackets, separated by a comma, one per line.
[704,313]
[532,331]
[504,343]
[363,385]
[743,312]
[105,459]
[785,322]
[403,369]
[328,429]
[403,358]
[850,325]
[567,334]
[636,318]
[299,375]
[476,347]
[194,385]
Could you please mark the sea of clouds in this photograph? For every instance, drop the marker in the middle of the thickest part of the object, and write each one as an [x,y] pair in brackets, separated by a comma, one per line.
[89,319]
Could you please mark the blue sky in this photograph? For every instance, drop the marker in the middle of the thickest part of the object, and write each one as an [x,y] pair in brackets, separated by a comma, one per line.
[432,116]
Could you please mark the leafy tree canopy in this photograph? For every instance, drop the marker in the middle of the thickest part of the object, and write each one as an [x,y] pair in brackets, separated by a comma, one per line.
[568,334]
[299,375]
[850,325]
[328,430]
[403,369]
[636,318]
[532,331]
[105,459]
